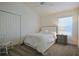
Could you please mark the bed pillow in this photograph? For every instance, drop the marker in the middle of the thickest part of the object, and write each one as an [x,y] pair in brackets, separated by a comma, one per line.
[49,32]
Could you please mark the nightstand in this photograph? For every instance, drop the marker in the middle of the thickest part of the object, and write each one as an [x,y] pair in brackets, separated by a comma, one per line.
[61,39]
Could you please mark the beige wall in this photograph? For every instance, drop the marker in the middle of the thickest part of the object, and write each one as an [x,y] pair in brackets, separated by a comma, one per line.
[51,20]
[48,20]
[30,21]
[78,27]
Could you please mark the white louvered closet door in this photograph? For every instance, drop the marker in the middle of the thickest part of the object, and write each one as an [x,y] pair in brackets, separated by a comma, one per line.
[9,27]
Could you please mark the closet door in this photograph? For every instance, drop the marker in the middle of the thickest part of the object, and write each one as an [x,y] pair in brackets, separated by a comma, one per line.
[9,27]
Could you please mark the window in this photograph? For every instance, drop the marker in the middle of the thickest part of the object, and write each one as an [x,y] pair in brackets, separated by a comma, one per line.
[65,26]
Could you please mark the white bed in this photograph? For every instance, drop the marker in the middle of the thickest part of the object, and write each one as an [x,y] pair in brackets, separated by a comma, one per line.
[41,41]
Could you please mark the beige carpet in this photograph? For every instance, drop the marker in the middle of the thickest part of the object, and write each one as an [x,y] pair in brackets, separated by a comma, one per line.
[62,50]
[54,50]
[23,50]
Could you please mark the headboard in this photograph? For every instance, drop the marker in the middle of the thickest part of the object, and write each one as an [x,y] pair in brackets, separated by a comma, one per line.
[49,28]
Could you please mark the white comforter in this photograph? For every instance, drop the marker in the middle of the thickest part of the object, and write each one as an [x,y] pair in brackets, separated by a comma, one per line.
[40,41]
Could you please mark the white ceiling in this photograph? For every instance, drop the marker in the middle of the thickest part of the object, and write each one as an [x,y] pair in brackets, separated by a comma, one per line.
[51,7]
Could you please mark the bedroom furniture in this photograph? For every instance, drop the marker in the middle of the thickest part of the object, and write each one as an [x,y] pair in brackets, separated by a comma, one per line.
[42,40]
[3,50]
[39,41]
[61,39]
[49,28]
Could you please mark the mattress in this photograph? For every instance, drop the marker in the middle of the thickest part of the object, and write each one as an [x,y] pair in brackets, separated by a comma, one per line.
[40,41]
